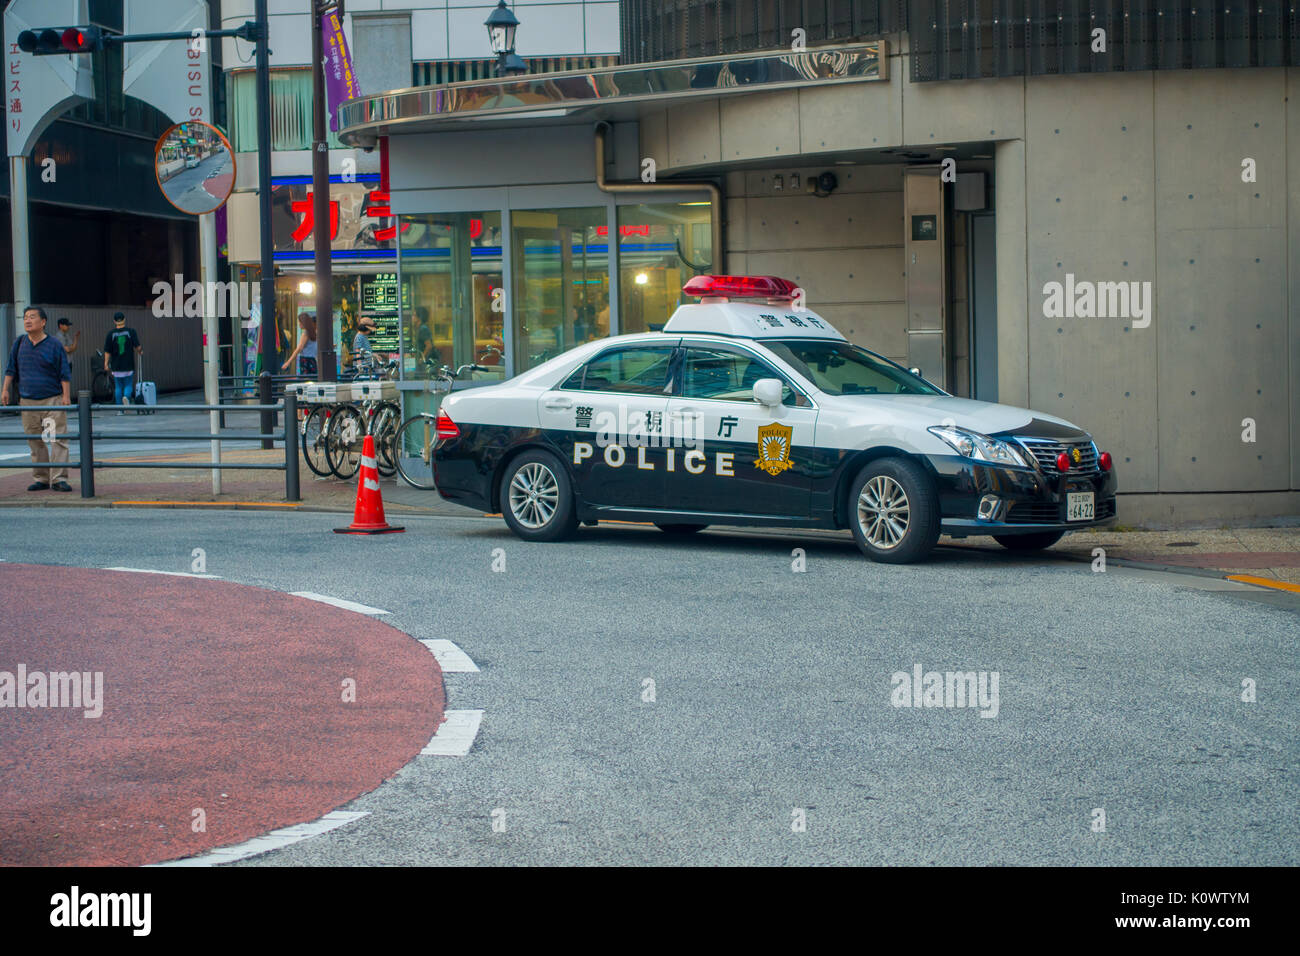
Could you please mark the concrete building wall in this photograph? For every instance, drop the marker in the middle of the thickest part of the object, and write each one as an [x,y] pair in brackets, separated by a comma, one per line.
[844,250]
[1140,180]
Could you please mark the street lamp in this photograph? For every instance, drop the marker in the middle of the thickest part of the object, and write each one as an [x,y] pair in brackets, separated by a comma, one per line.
[501,25]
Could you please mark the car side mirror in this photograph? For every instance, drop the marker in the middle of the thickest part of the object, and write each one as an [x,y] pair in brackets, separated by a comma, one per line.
[769,391]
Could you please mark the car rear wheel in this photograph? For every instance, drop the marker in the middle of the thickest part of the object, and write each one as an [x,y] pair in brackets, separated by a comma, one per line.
[680,528]
[894,511]
[537,498]
[1037,541]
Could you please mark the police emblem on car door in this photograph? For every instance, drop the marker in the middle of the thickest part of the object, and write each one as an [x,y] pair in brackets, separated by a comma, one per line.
[774,448]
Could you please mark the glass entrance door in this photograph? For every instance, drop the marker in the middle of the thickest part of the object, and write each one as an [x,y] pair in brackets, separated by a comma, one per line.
[561,281]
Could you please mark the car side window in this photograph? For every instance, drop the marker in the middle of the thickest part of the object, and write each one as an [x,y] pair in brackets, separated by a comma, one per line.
[728,376]
[640,371]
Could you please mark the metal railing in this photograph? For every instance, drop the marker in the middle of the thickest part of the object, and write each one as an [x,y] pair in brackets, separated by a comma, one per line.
[86,436]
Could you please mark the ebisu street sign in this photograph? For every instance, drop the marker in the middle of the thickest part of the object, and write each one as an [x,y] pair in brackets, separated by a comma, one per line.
[42,86]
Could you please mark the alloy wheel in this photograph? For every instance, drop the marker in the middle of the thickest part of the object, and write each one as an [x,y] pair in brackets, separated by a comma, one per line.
[534,495]
[883,512]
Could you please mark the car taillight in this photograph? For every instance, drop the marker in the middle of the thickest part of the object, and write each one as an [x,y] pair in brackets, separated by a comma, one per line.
[1062,462]
[446,427]
[1105,461]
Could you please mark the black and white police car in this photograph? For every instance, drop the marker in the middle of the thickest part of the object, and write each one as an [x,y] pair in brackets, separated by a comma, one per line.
[747,409]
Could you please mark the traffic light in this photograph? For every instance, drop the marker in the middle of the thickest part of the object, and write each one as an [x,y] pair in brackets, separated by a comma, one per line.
[51,40]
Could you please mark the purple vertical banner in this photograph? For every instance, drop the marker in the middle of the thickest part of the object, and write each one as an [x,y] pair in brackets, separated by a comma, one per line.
[340,80]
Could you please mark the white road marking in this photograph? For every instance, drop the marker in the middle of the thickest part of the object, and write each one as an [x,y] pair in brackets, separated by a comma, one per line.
[456,735]
[176,574]
[275,840]
[339,602]
[451,658]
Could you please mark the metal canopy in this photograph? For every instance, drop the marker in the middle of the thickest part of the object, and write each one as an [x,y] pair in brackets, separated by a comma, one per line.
[609,93]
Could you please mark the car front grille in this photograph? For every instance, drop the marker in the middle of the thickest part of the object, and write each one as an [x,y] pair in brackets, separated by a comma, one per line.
[1045,451]
[1034,514]
[1048,513]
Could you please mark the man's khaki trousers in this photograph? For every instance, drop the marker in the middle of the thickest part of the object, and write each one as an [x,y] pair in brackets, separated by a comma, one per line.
[57,450]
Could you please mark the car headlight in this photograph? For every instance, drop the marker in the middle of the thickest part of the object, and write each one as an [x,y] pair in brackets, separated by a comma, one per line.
[971,444]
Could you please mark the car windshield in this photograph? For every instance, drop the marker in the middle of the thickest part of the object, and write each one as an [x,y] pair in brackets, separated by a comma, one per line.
[839,368]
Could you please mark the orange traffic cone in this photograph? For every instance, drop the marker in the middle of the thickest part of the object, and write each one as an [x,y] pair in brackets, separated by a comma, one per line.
[368,518]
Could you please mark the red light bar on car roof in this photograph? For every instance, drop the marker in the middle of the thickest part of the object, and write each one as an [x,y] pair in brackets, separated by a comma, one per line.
[740,287]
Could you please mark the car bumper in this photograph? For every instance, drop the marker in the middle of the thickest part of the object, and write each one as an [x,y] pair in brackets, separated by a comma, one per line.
[1015,500]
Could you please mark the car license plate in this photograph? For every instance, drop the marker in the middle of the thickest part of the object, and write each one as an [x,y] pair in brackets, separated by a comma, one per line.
[1078,506]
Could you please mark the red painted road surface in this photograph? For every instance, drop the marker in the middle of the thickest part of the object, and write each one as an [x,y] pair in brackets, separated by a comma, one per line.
[216,697]
[218,186]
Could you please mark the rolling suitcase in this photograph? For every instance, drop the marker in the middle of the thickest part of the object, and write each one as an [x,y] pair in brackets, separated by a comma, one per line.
[146,395]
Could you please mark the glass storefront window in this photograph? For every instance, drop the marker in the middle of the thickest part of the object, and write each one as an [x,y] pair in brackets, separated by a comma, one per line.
[295,295]
[560,259]
[453,305]
[660,246]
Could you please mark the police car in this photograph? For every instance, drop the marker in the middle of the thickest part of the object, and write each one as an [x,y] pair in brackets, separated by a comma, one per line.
[748,409]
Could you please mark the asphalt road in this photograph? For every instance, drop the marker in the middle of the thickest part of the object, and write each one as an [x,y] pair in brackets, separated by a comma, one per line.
[772,694]
[185,189]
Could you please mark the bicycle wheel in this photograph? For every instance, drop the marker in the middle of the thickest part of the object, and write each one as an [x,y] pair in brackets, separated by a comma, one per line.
[314,428]
[413,451]
[343,441]
[384,425]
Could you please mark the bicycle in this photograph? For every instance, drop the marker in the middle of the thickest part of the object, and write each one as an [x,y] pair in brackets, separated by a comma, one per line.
[349,424]
[315,430]
[415,442]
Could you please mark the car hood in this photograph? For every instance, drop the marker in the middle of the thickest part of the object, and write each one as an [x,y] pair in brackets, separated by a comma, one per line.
[989,418]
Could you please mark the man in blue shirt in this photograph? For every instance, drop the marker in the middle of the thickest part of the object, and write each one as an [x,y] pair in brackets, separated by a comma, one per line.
[39,366]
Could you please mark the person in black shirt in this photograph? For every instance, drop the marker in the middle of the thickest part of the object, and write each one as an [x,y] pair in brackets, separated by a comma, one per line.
[121,346]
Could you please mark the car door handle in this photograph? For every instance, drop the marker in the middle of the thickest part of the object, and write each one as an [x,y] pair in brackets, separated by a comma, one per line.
[680,412]
[557,403]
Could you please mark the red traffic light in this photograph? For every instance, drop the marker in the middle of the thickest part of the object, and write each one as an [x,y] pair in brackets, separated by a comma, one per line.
[1062,462]
[81,39]
[50,40]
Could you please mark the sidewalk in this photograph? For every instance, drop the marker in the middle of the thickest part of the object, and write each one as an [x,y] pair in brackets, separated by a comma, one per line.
[1270,554]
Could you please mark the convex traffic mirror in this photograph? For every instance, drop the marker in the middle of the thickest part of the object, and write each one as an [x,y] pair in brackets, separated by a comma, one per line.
[195,167]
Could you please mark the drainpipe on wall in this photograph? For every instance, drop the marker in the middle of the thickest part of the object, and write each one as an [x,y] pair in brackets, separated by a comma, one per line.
[718,265]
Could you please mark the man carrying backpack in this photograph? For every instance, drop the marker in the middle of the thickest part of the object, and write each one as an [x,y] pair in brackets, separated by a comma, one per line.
[39,366]
[121,346]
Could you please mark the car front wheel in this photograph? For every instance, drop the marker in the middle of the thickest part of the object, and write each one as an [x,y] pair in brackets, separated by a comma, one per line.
[894,511]
[537,498]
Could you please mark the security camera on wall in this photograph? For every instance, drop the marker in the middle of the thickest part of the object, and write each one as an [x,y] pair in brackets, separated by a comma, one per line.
[822,185]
